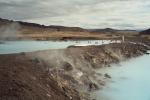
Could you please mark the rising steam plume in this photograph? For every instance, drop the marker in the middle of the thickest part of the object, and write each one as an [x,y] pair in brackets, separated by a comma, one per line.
[10,30]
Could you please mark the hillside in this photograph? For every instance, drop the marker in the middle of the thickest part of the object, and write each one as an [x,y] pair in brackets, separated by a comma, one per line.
[4,22]
[10,29]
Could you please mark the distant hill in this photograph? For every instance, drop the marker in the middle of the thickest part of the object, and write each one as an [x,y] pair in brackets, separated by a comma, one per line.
[26,27]
[114,31]
[5,22]
[106,30]
[10,29]
[145,32]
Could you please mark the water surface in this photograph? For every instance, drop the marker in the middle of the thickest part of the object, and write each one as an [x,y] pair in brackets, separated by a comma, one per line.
[8,47]
[130,81]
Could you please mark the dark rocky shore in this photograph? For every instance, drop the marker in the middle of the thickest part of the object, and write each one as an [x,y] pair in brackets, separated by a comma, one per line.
[66,74]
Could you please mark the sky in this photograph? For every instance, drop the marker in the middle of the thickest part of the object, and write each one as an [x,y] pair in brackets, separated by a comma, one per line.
[120,14]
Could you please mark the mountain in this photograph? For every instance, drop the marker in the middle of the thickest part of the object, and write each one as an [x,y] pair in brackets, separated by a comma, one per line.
[145,32]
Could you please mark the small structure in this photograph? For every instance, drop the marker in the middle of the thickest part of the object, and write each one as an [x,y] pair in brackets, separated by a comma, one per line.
[123,38]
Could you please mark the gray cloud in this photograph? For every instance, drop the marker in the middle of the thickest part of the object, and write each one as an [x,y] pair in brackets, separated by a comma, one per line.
[83,13]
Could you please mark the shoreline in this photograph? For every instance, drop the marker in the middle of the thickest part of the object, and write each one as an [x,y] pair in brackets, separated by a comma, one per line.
[126,73]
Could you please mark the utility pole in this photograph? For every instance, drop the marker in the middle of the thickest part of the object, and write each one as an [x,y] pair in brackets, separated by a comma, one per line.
[123,38]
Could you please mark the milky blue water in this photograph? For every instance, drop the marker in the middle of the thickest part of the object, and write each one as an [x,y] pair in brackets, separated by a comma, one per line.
[130,81]
[28,46]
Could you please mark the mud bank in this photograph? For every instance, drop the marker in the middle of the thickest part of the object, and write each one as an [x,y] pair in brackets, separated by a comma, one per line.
[66,74]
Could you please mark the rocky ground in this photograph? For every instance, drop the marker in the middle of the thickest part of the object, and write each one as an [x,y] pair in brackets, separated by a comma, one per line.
[66,74]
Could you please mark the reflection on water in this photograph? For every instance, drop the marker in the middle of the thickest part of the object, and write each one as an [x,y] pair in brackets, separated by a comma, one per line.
[8,47]
[131,81]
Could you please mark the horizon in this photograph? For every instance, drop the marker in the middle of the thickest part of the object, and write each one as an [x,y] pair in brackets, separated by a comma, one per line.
[76,26]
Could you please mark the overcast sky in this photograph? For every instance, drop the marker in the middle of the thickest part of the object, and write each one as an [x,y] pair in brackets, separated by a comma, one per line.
[121,14]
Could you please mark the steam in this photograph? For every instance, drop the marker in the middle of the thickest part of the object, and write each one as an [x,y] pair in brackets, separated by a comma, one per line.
[81,67]
[116,54]
[82,74]
[10,31]
[56,59]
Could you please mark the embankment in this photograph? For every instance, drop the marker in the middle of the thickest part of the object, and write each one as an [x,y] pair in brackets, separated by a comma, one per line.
[66,74]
